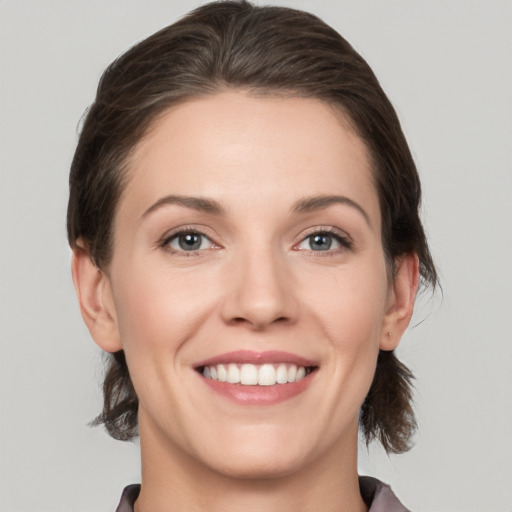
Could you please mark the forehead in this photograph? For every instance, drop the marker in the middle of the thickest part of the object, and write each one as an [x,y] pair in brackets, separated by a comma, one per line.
[231,145]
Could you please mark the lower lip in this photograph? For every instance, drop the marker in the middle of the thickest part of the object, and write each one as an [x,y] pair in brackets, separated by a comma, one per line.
[259,395]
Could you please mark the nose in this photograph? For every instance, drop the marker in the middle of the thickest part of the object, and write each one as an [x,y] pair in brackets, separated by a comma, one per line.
[260,291]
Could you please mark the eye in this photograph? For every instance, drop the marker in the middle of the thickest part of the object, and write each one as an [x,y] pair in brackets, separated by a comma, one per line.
[188,241]
[322,241]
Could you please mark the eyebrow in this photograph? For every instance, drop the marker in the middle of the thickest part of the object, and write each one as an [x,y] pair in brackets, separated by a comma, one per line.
[310,204]
[195,203]
[304,205]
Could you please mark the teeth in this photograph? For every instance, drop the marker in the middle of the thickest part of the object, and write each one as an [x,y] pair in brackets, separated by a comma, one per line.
[266,375]
[233,374]
[292,373]
[252,375]
[282,374]
[222,373]
[249,375]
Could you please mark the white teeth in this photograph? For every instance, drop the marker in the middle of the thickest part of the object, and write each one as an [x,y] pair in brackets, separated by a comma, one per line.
[233,374]
[251,375]
[282,374]
[266,375]
[222,373]
[301,373]
[292,373]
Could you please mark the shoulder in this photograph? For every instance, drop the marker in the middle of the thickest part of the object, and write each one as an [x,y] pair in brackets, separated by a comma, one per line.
[130,494]
[378,496]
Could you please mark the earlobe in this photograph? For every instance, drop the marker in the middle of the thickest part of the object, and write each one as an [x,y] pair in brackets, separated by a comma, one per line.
[96,301]
[401,302]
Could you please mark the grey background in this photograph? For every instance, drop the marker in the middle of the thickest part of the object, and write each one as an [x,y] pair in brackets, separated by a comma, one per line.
[446,66]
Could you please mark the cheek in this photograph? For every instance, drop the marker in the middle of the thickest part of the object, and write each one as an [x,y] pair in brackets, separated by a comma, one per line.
[351,302]
[351,312]
[158,310]
[157,314]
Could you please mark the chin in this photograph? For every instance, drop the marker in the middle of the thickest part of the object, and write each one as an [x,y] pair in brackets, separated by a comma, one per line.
[258,454]
[259,467]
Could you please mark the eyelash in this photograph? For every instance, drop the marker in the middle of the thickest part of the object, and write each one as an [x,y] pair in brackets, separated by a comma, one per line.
[343,240]
[165,243]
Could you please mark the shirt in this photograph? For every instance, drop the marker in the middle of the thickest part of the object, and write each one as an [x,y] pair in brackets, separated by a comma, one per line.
[378,496]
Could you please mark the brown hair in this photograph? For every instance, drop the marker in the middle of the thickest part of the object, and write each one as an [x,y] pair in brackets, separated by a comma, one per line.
[264,50]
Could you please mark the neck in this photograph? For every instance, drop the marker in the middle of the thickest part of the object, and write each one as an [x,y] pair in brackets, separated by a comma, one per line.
[173,479]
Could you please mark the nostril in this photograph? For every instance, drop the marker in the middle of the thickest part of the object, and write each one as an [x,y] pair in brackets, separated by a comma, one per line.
[259,324]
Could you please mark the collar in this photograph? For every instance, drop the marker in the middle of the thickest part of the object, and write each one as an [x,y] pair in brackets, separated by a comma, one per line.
[378,496]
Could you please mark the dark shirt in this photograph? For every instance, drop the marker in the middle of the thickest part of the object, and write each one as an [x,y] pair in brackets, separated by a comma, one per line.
[378,496]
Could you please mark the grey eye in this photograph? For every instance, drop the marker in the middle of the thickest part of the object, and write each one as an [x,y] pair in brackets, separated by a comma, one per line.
[189,241]
[324,241]
[320,242]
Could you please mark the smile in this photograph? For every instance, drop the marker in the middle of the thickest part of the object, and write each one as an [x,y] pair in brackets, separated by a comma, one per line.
[256,375]
[257,378]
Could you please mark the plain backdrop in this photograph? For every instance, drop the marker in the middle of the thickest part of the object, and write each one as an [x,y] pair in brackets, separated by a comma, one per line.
[447,67]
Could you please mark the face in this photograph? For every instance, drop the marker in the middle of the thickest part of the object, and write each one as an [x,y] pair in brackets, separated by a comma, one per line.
[248,284]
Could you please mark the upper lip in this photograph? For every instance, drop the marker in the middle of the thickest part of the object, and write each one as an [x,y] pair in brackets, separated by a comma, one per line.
[257,358]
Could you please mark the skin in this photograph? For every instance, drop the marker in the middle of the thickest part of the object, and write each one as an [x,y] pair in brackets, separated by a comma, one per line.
[255,284]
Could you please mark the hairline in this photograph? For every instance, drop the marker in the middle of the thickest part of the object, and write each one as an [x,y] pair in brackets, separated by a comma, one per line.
[340,112]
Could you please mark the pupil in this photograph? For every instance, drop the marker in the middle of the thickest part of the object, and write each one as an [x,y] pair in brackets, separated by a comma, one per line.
[190,241]
[320,242]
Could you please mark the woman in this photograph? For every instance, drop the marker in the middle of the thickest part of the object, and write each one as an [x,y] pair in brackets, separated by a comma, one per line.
[244,219]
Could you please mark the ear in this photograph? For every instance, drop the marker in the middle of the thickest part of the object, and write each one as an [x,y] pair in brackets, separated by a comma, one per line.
[96,300]
[401,301]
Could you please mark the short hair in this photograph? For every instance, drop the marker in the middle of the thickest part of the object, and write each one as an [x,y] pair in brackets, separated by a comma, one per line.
[263,50]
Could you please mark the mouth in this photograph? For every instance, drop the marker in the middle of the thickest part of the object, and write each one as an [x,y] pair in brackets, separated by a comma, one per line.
[253,378]
[248,374]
